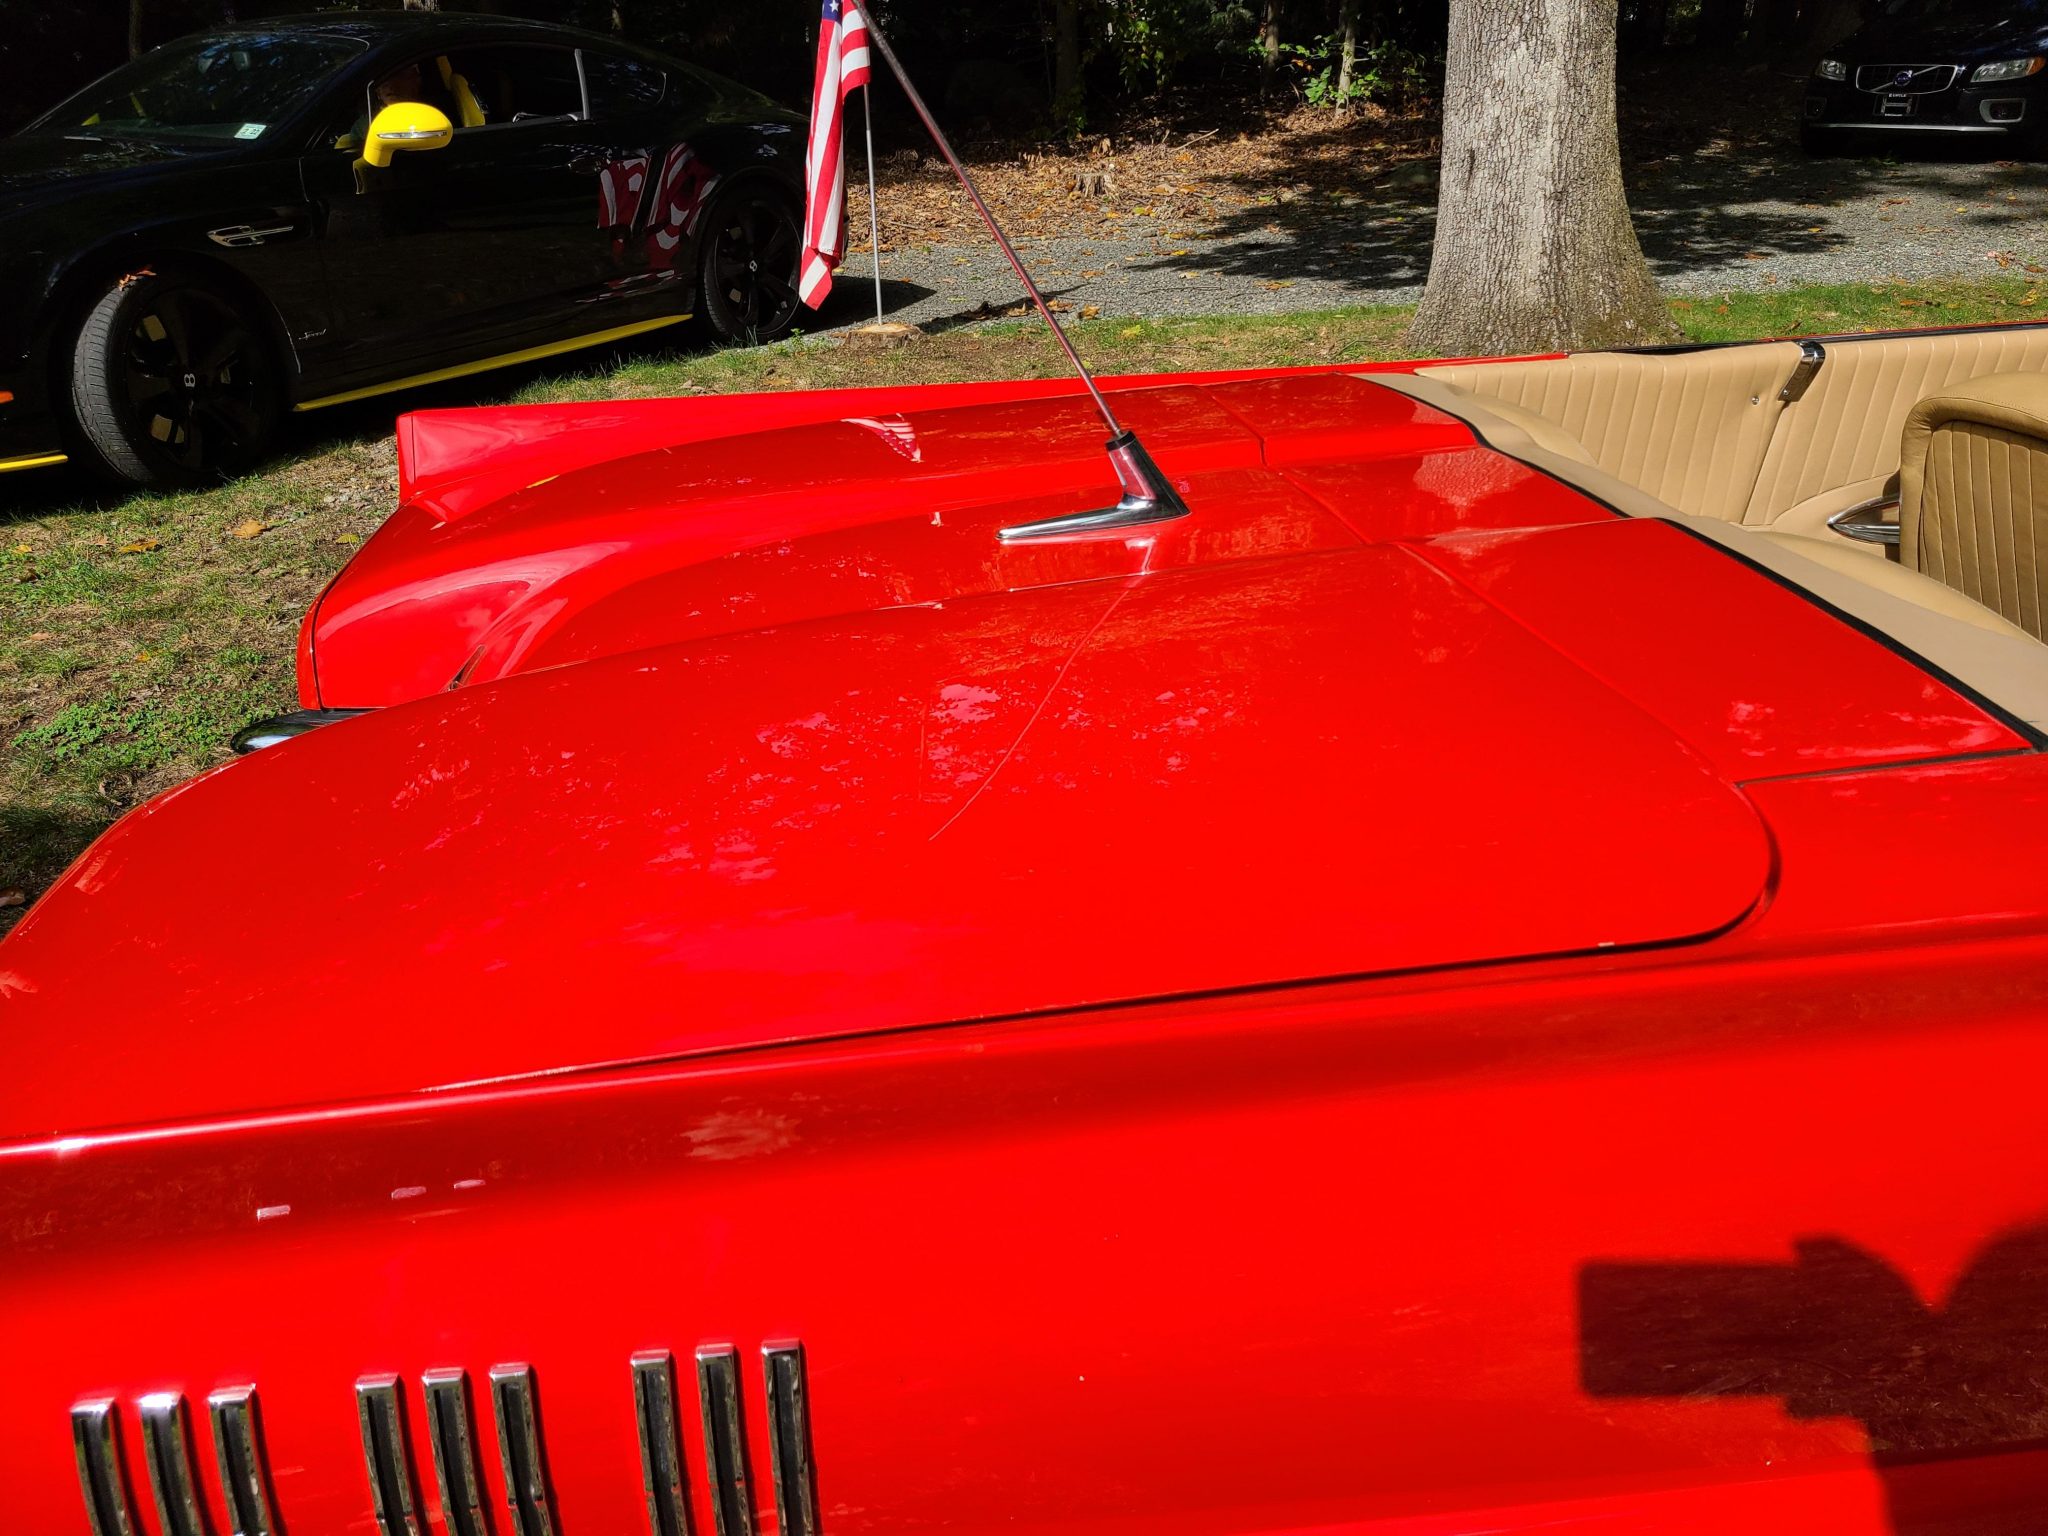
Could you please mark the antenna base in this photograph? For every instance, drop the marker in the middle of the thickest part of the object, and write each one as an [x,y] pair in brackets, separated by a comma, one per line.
[1149,497]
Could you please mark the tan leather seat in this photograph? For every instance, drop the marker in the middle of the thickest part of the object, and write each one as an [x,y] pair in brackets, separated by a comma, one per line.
[1690,428]
[1973,494]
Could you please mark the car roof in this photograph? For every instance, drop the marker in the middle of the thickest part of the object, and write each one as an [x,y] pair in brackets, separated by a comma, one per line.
[385,26]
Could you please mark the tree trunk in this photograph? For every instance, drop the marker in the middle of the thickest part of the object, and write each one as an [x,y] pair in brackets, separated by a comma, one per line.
[1067,111]
[1535,250]
[423,5]
[1269,48]
[134,29]
[1347,54]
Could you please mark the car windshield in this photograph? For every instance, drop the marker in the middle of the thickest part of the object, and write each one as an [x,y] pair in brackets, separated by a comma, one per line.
[1962,10]
[233,87]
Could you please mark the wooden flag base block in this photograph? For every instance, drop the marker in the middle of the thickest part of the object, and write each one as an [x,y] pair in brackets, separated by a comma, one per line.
[885,333]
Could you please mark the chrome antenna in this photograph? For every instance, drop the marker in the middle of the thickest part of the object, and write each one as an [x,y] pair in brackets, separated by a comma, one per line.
[1148,496]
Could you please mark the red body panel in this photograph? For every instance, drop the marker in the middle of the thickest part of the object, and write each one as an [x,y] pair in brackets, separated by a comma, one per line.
[762,510]
[1400,1003]
[1261,1263]
[901,821]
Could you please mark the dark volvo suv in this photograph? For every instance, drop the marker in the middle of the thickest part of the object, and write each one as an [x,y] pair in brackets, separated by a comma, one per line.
[1966,69]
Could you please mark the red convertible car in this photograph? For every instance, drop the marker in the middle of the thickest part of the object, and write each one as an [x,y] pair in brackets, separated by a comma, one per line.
[1492,976]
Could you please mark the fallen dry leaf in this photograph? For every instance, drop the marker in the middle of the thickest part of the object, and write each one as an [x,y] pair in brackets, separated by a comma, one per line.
[1283,282]
[13,896]
[248,528]
[1090,311]
[24,549]
[138,547]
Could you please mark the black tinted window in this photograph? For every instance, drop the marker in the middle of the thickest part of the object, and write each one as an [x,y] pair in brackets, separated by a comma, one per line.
[620,86]
[511,83]
[230,87]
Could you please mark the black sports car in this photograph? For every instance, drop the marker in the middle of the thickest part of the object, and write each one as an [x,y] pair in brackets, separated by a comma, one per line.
[319,208]
[1966,68]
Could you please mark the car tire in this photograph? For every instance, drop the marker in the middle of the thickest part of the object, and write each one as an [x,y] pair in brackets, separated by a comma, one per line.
[172,382]
[747,266]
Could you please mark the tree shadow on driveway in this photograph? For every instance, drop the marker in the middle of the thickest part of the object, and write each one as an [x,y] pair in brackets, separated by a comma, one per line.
[1720,189]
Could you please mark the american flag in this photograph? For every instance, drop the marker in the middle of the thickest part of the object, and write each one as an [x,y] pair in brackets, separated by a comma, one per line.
[842,66]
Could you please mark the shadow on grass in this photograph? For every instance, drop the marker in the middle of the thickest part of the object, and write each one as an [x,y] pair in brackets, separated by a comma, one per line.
[37,844]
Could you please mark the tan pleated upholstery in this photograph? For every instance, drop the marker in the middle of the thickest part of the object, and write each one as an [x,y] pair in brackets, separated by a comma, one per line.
[1973,494]
[1839,444]
[1690,428]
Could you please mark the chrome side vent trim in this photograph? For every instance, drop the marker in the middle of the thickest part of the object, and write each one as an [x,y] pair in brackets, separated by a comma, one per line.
[789,1439]
[380,1410]
[725,1440]
[450,1428]
[167,1447]
[661,1450]
[526,1476]
[102,1477]
[244,1472]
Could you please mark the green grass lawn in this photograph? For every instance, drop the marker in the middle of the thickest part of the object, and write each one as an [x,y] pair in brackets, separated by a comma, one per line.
[136,634]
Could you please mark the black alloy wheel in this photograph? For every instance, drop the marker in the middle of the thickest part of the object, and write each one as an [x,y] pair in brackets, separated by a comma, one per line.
[747,287]
[172,383]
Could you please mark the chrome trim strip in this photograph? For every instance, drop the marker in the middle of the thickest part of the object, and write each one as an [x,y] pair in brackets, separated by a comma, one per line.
[244,1470]
[102,1478]
[1811,355]
[661,1448]
[1862,523]
[725,1439]
[167,1449]
[387,1457]
[451,1431]
[272,729]
[1912,125]
[526,1476]
[789,1439]
[237,236]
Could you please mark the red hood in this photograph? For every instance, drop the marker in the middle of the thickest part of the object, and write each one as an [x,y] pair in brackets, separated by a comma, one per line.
[1266,771]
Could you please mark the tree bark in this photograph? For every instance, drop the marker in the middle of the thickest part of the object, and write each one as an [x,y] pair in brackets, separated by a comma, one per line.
[134,29]
[1347,54]
[1535,250]
[423,5]
[1066,66]
[1269,48]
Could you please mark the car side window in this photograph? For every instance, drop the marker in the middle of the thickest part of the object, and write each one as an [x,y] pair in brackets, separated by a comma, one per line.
[514,83]
[428,80]
[620,86]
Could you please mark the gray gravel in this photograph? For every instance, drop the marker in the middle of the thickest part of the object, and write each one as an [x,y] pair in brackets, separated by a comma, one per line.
[1710,222]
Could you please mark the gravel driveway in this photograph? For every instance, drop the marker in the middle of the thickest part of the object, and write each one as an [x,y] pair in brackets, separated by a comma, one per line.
[1711,220]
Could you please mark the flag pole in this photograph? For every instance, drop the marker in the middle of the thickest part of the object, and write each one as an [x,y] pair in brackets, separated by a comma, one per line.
[867,115]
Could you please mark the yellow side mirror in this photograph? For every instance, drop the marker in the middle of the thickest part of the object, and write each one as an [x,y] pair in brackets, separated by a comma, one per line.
[405,125]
